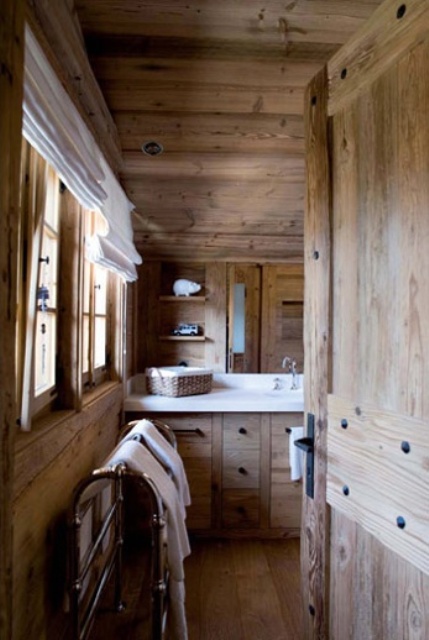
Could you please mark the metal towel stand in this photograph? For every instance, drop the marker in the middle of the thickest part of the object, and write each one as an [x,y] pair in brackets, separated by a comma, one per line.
[112,525]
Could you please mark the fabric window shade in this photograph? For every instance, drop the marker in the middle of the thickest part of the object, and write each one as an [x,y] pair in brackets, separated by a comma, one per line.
[113,246]
[54,127]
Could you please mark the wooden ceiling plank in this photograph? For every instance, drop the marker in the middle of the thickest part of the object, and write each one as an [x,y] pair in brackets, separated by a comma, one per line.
[137,96]
[181,188]
[219,133]
[259,74]
[232,166]
[118,45]
[233,21]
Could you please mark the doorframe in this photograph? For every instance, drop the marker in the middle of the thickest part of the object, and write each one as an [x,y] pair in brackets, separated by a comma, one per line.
[317,355]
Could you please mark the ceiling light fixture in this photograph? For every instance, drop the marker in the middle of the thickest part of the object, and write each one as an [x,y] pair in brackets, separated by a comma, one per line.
[152,148]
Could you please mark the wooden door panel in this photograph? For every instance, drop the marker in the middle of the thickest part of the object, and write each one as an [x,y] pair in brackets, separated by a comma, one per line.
[380,340]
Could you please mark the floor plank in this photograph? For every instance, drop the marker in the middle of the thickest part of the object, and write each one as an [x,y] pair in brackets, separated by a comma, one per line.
[235,590]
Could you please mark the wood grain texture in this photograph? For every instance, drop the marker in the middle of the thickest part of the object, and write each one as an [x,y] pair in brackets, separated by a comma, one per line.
[282,316]
[393,29]
[49,462]
[368,458]
[380,357]
[221,86]
[70,311]
[11,79]
[215,317]
[317,226]
[248,275]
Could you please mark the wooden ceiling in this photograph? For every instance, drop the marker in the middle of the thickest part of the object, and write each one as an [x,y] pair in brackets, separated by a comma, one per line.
[220,85]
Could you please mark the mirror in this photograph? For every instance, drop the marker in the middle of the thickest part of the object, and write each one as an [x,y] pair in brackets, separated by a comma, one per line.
[265,317]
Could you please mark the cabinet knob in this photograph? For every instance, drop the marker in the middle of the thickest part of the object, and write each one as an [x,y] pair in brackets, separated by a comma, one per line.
[242,430]
[242,470]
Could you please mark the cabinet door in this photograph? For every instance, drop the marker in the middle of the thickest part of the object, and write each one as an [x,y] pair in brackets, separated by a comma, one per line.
[241,459]
[286,495]
[194,442]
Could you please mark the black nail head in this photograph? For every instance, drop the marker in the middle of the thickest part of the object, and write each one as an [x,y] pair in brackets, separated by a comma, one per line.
[401,11]
[316,255]
[405,446]
[346,490]
[344,423]
[400,521]
[343,74]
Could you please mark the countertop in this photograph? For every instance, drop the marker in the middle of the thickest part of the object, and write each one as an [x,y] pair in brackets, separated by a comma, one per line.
[250,393]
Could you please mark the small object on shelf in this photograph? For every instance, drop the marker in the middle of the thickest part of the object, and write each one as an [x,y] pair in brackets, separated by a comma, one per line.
[178,381]
[183,287]
[185,329]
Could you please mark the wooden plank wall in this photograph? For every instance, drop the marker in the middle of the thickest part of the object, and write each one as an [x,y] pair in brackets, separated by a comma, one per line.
[11,77]
[48,464]
[38,470]
[380,305]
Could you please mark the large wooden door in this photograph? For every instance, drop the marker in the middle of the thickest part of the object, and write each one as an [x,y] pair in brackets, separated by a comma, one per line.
[365,551]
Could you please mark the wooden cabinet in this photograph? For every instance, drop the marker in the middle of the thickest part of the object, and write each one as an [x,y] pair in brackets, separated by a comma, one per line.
[194,442]
[238,471]
[241,470]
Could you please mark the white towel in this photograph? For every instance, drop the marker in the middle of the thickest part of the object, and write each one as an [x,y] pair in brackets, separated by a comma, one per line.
[140,460]
[296,456]
[166,454]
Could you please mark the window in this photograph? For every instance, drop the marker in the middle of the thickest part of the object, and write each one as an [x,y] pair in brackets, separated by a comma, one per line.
[45,342]
[95,299]
[60,293]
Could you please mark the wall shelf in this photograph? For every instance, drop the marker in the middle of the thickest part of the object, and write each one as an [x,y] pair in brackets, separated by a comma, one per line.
[182,298]
[183,338]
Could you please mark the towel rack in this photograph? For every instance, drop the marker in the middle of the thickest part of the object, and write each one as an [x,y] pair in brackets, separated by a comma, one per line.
[106,549]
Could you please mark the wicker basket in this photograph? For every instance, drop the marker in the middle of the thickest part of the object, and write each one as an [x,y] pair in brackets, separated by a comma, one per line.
[178,381]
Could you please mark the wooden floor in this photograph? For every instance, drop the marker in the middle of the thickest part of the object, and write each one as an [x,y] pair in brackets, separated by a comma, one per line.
[235,590]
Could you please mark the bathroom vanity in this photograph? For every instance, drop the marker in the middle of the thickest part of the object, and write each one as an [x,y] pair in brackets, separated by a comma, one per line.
[235,448]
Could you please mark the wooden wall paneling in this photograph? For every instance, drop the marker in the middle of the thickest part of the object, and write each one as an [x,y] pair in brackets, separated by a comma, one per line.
[11,79]
[48,465]
[149,283]
[393,29]
[215,317]
[131,330]
[317,249]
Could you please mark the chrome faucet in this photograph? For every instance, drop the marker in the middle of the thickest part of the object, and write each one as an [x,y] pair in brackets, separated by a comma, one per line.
[290,363]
